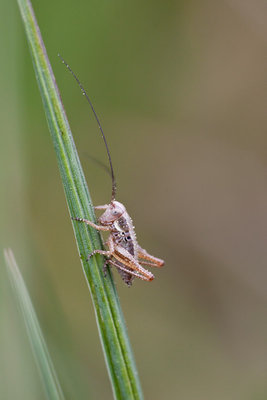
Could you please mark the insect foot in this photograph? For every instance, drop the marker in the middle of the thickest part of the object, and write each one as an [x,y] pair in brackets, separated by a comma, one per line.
[105,267]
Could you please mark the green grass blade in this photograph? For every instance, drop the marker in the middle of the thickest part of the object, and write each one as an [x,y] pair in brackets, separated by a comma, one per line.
[112,330]
[40,351]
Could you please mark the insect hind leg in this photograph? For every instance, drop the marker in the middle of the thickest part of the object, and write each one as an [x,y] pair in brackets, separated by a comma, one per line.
[129,270]
[149,259]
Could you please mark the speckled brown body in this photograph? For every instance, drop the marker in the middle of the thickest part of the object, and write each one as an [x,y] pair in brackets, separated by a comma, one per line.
[123,250]
[124,235]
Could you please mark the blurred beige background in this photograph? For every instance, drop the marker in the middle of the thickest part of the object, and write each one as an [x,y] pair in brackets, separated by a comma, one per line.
[180,88]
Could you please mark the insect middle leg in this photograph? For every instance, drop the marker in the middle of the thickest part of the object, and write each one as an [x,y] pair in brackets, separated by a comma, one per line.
[87,222]
[107,253]
[99,228]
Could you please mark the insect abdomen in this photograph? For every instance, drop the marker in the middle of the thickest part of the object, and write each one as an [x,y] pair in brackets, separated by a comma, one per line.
[125,236]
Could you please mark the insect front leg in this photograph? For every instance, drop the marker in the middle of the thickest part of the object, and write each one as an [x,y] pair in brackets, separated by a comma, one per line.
[150,260]
[104,207]
[86,221]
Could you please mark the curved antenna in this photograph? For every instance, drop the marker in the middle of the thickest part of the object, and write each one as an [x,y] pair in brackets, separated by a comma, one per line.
[113,193]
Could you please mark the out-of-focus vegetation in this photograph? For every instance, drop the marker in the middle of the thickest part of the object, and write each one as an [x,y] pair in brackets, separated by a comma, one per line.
[41,354]
[180,89]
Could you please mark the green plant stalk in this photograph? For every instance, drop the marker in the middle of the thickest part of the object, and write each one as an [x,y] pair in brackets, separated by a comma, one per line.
[40,351]
[116,346]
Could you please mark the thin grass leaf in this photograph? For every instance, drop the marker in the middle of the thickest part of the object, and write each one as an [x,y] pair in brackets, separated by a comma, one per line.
[117,351]
[39,348]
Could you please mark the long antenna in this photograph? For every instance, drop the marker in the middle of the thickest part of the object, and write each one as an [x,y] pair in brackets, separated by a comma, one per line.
[113,193]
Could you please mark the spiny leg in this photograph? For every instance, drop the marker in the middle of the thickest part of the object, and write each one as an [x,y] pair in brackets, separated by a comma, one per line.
[124,257]
[148,263]
[155,262]
[107,253]
[104,207]
[103,252]
[129,271]
[86,221]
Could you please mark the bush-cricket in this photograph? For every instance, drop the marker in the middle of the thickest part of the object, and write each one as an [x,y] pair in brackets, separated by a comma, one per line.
[123,251]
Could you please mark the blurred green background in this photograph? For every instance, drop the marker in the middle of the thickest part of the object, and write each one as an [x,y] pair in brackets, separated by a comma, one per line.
[180,88]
